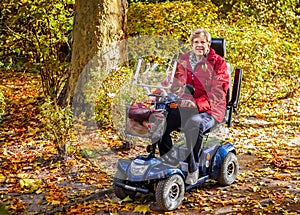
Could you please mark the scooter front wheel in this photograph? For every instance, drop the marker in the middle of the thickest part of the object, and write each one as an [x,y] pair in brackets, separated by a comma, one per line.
[170,192]
[121,192]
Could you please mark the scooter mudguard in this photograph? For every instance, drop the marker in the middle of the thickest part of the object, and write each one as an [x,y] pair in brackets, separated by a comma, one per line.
[122,166]
[145,168]
[219,158]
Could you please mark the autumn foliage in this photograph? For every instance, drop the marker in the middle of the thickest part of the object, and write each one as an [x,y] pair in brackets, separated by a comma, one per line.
[46,167]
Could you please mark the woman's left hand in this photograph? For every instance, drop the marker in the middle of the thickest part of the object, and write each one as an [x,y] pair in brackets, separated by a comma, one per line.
[187,104]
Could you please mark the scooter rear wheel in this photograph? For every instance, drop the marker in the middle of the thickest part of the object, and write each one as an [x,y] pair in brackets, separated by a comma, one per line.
[170,192]
[229,170]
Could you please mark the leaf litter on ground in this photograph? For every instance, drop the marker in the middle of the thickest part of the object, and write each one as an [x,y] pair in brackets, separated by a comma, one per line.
[267,137]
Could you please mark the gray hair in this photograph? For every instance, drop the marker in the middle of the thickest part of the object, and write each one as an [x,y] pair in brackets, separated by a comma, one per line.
[198,33]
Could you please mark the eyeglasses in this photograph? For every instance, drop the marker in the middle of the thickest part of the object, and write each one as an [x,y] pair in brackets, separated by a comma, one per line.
[199,42]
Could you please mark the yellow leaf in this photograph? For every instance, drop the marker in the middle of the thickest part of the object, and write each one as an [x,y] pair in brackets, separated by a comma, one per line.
[126,199]
[22,175]
[2,178]
[22,183]
[55,202]
[39,191]
[142,209]
[255,188]
[129,206]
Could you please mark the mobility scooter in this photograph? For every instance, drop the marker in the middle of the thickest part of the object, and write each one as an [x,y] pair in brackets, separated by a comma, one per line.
[150,173]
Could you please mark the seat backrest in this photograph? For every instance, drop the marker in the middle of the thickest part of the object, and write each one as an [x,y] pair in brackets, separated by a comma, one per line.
[235,95]
[219,45]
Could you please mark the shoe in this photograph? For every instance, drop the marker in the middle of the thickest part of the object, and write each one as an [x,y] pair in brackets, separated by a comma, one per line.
[192,177]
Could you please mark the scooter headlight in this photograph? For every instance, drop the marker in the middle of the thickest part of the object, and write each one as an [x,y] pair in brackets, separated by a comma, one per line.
[138,168]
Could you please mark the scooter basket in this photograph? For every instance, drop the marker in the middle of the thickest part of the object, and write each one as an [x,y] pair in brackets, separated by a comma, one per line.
[137,128]
[144,122]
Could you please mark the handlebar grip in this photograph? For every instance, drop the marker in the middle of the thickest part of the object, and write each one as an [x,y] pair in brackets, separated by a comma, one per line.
[155,95]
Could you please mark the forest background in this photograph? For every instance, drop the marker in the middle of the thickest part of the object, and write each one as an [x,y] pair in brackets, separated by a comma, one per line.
[36,46]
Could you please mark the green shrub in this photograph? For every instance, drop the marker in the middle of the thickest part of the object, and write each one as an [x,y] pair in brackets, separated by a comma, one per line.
[109,90]
[34,37]
[57,123]
[170,19]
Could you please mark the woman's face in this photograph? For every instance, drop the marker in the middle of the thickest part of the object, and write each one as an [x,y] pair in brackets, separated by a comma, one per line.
[200,46]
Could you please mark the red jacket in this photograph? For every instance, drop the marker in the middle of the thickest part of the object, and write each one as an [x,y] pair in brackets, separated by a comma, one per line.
[210,79]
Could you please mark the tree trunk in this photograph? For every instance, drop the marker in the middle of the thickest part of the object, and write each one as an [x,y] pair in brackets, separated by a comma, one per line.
[99,45]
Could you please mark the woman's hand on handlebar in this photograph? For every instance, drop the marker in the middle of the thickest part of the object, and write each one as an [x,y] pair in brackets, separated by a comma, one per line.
[151,99]
[187,104]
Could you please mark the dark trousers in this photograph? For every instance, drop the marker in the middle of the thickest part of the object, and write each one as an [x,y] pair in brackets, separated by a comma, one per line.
[193,124]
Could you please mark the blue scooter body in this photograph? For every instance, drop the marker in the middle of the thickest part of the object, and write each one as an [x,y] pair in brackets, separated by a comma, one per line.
[144,168]
[148,170]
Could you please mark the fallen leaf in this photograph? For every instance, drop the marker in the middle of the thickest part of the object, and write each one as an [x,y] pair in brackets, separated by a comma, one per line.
[142,209]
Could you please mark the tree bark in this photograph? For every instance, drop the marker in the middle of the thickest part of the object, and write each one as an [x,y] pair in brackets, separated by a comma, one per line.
[99,33]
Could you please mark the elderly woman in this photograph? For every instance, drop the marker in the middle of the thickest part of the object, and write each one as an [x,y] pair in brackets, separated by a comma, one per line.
[207,73]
